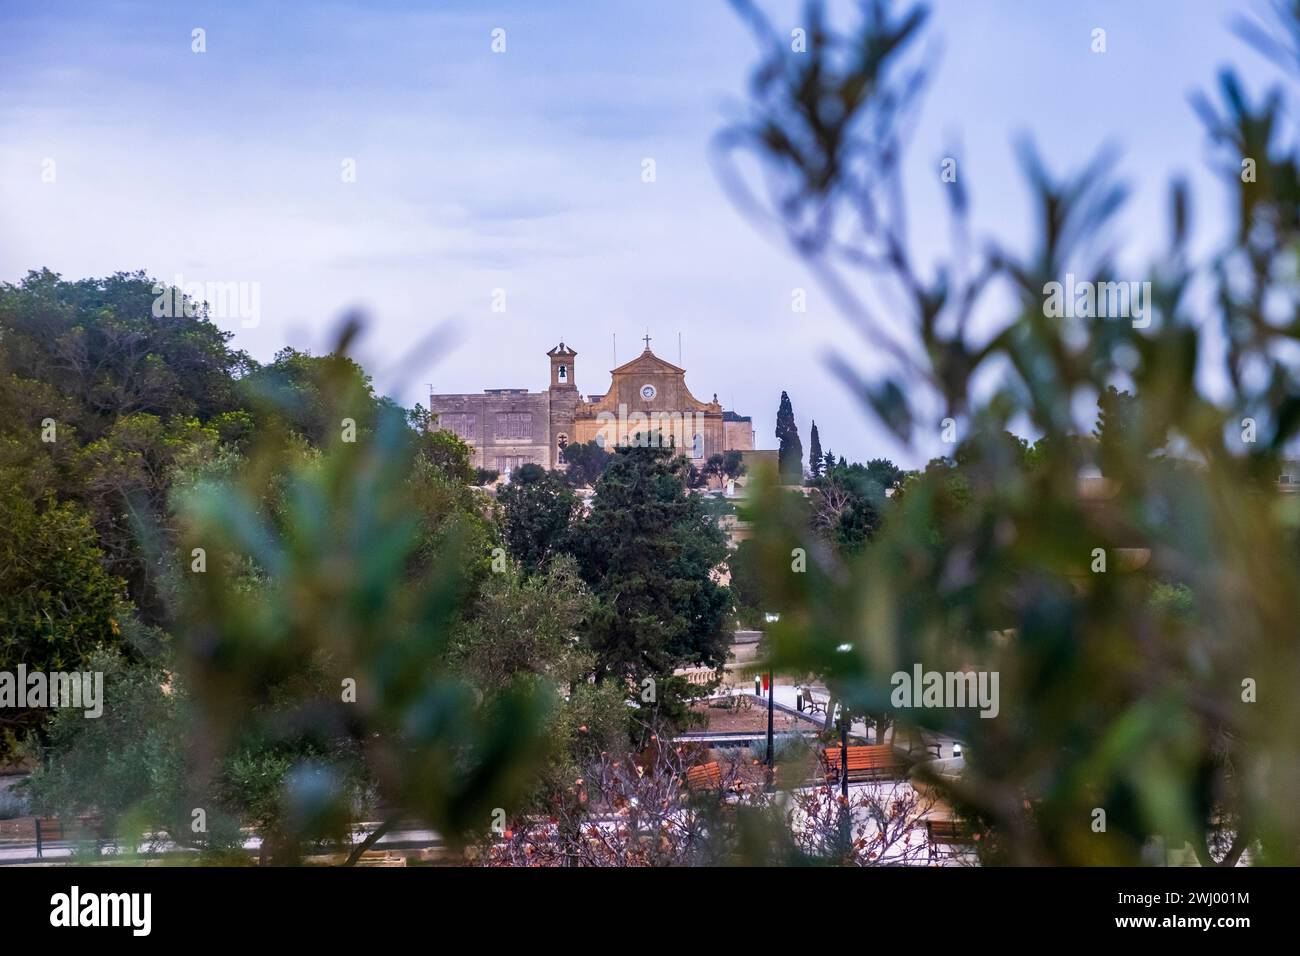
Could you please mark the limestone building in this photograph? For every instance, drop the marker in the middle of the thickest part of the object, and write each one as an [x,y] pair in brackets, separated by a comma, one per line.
[647,400]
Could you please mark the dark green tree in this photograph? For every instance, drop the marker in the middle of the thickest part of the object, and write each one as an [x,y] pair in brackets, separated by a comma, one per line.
[648,552]
[884,474]
[790,448]
[293,390]
[538,510]
[720,468]
[733,464]
[445,450]
[99,343]
[1118,426]
[58,604]
[586,462]
[816,463]
[524,625]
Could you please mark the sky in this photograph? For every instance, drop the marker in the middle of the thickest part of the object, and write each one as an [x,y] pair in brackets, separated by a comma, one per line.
[485,177]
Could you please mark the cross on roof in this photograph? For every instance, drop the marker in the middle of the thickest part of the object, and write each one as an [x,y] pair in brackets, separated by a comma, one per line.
[647,340]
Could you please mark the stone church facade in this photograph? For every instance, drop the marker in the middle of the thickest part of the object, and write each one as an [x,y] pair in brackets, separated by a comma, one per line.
[647,401]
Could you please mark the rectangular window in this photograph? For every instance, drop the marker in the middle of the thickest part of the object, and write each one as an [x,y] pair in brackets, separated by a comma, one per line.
[462,426]
[514,426]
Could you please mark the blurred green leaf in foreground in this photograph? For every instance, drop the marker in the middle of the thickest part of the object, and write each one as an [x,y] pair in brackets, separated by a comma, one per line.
[1162,689]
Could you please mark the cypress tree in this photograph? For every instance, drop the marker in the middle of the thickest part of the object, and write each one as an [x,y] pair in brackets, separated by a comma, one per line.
[790,449]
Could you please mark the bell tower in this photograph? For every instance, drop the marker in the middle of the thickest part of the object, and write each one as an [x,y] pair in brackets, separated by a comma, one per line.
[562,367]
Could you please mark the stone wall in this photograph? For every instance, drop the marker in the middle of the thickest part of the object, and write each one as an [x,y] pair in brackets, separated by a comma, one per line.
[738,435]
[505,429]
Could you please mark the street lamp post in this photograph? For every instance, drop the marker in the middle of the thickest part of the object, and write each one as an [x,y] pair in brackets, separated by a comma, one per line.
[771,696]
[844,755]
[845,824]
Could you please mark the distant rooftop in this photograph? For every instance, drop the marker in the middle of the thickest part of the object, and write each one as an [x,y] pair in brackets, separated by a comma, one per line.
[733,417]
[505,391]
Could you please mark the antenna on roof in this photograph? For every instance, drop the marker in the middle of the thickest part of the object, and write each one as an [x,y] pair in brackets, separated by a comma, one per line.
[614,335]
[679,348]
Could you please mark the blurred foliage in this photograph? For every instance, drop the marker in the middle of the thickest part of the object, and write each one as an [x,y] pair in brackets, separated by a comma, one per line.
[341,576]
[1120,690]
[131,757]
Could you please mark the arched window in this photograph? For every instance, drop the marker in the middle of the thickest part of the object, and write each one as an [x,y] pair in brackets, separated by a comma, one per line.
[564,373]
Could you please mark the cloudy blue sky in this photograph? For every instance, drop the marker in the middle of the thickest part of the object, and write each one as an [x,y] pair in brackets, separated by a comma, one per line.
[522,171]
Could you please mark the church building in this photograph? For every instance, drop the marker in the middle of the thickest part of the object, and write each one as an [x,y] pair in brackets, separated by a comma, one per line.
[647,401]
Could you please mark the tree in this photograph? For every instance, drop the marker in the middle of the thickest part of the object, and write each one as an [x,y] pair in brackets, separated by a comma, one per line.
[720,467]
[125,476]
[733,464]
[99,344]
[538,510]
[586,462]
[521,626]
[128,767]
[1117,426]
[129,396]
[445,450]
[884,474]
[623,809]
[849,501]
[57,602]
[714,469]
[790,449]
[648,552]
[815,461]
[294,392]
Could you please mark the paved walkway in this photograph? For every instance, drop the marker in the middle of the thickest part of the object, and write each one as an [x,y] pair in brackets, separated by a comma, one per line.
[59,851]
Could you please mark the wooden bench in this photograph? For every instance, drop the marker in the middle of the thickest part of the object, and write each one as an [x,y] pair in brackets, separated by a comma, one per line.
[951,832]
[78,830]
[866,762]
[707,776]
